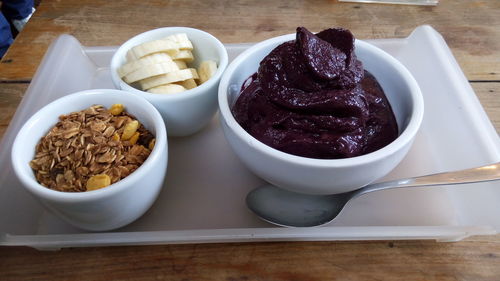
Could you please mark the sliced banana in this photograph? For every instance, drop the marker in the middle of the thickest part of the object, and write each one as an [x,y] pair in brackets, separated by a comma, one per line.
[188,84]
[182,41]
[161,66]
[151,47]
[183,55]
[167,89]
[142,62]
[172,77]
[151,70]
[181,64]
[206,70]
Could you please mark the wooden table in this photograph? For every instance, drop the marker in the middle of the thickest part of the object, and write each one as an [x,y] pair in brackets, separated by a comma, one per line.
[472,30]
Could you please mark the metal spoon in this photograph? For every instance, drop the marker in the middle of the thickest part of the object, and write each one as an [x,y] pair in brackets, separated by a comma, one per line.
[286,208]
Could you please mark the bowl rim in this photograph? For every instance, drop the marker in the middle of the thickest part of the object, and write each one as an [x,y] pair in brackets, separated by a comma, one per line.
[30,183]
[162,32]
[405,137]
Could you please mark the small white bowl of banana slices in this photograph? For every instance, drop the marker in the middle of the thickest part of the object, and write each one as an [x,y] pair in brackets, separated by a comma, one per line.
[177,69]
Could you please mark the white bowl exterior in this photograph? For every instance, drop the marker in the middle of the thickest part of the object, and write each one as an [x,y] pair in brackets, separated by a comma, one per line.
[309,179]
[111,207]
[187,112]
[318,176]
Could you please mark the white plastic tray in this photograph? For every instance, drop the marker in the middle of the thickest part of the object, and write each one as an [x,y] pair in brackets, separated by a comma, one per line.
[203,197]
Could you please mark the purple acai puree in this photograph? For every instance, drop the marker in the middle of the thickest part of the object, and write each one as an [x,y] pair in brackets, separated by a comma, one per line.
[311,97]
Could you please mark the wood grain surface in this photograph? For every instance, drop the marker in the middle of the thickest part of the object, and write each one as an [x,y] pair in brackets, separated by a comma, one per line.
[471,29]
[475,259]
[10,96]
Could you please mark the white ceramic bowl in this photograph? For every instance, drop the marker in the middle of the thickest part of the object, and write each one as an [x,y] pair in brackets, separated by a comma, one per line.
[187,112]
[110,207]
[319,176]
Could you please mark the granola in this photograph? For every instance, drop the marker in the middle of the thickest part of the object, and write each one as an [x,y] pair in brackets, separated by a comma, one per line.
[87,147]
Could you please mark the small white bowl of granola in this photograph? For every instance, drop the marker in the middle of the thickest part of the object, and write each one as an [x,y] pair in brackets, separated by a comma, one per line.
[96,159]
[177,69]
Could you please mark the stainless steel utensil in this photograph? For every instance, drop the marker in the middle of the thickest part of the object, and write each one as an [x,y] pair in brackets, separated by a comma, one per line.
[286,208]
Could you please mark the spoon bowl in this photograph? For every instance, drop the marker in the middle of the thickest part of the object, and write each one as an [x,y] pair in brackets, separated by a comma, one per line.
[286,208]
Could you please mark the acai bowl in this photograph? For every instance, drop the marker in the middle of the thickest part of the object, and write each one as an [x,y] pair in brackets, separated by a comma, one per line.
[313,175]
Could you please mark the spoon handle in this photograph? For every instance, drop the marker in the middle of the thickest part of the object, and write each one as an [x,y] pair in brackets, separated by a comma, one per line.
[479,174]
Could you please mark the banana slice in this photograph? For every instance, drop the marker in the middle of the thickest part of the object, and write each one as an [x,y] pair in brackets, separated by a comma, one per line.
[183,55]
[172,77]
[160,66]
[188,84]
[151,70]
[151,47]
[181,64]
[182,41]
[206,70]
[167,89]
[145,61]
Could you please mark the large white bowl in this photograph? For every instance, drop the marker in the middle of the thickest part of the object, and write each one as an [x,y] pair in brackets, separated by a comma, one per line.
[319,176]
[187,112]
[110,207]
